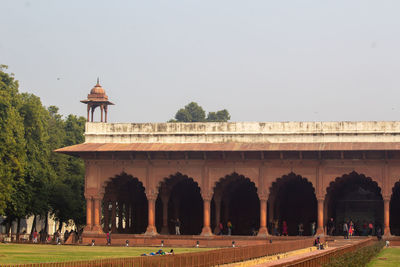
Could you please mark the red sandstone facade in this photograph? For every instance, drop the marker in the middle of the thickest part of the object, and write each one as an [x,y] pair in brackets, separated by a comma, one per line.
[260,155]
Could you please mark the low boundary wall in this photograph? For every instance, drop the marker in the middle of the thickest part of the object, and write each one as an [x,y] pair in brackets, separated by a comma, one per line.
[196,259]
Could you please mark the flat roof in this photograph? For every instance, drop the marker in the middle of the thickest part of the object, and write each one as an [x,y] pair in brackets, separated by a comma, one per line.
[239,136]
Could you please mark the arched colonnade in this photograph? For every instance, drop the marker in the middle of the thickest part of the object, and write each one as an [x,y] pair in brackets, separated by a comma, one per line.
[126,206]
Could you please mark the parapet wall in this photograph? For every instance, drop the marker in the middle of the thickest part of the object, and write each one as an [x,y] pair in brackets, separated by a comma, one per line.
[243,132]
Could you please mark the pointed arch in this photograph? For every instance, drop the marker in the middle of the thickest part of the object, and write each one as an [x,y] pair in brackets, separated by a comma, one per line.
[235,200]
[124,205]
[394,210]
[180,198]
[357,198]
[292,201]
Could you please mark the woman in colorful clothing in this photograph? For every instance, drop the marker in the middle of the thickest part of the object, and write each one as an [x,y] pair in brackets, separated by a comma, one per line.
[351,228]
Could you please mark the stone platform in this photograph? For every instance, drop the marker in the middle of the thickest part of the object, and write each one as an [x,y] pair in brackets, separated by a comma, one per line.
[185,240]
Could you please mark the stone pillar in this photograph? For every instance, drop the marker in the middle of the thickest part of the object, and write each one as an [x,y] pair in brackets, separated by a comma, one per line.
[320,224]
[114,217]
[97,214]
[88,112]
[206,231]
[105,113]
[101,111]
[263,231]
[151,227]
[92,113]
[164,200]
[386,216]
[217,202]
[89,214]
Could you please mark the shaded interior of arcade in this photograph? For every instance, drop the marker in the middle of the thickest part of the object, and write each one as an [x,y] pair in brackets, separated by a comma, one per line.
[357,199]
[291,201]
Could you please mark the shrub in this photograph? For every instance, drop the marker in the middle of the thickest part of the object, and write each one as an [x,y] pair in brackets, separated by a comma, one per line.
[357,258]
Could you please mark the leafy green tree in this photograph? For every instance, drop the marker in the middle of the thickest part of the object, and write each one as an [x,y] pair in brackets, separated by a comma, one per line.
[67,199]
[192,112]
[33,179]
[38,173]
[219,116]
[12,145]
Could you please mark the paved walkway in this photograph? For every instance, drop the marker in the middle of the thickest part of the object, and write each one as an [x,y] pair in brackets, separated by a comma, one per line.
[303,253]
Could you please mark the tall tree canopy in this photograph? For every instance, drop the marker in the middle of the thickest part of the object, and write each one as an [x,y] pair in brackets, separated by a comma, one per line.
[12,143]
[33,179]
[192,112]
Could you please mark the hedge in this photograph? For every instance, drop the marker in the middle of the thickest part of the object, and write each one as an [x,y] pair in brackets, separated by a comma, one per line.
[357,258]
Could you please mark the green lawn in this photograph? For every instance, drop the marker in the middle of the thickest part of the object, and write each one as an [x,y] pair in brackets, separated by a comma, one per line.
[28,253]
[388,257]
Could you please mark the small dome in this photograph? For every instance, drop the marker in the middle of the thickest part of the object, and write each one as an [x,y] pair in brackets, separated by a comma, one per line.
[98,90]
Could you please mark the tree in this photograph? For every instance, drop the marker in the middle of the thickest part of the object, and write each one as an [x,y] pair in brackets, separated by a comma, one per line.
[67,199]
[38,173]
[192,112]
[219,116]
[12,145]
[33,179]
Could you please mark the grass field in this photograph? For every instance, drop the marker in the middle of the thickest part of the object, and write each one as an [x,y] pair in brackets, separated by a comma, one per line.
[28,253]
[388,257]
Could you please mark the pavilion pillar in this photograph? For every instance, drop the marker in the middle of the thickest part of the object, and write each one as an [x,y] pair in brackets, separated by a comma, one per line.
[89,214]
[114,216]
[217,202]
[88,113]
[151,226]
[101,112]
[320,225]
[105,113]
[164,200]
[206,231]
[92,113]
[386,216]
[96,214]
[263,231]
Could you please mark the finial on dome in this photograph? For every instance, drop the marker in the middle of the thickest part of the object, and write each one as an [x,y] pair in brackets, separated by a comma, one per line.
[98,81]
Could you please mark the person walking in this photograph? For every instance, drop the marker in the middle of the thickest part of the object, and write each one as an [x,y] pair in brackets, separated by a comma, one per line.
[312,228]
[345,230]
[177,227]
[230,226]
[35,236]
[284,228]
[108,238]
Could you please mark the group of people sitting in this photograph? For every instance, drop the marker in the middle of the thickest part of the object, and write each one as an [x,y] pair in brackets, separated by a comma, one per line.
[159,253]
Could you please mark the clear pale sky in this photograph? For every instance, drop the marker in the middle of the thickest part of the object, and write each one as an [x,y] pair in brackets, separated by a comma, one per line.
[262,60]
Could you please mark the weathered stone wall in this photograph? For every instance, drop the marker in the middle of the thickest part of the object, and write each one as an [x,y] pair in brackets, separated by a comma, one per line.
[243,132]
